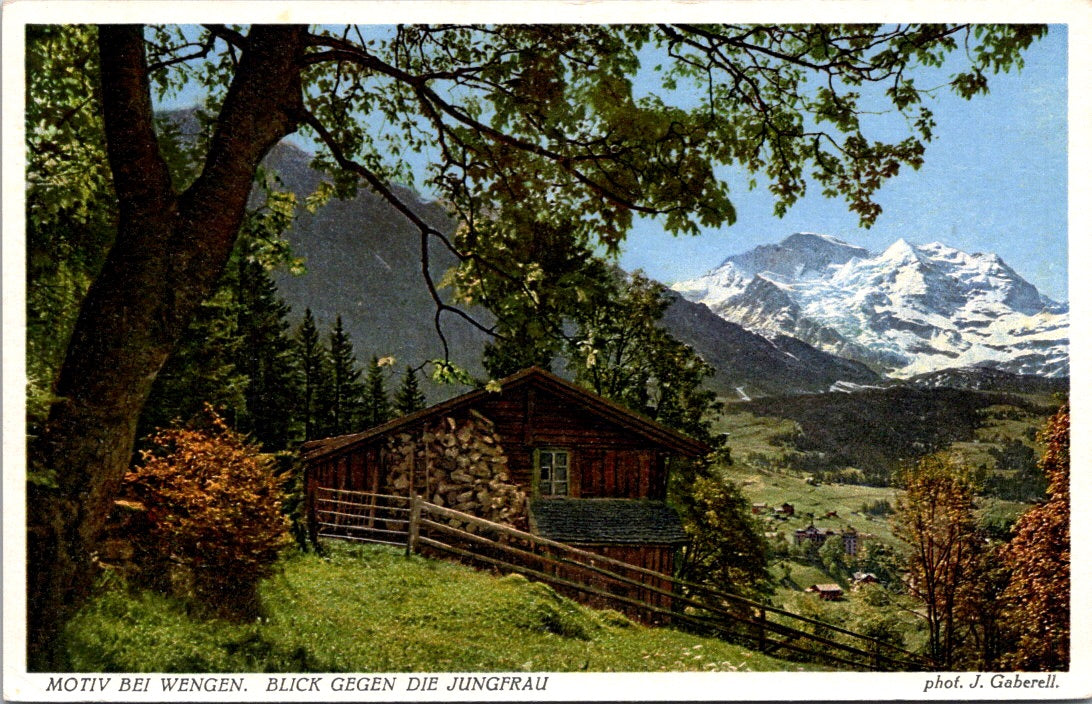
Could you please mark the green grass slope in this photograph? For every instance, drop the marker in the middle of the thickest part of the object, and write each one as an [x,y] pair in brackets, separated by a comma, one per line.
[370,609]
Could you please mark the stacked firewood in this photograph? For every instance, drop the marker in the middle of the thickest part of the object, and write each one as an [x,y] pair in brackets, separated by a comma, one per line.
[457,464]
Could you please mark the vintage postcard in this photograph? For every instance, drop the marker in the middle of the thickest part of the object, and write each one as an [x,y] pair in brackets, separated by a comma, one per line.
[480,351]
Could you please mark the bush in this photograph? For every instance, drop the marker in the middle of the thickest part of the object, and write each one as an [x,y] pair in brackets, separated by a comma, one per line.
[214,525]
[879,507]
[727,548]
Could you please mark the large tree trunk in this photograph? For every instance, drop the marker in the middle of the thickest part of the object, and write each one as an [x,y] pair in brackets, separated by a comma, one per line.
[169,252]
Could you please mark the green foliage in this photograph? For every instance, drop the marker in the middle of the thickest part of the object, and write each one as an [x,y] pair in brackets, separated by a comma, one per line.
[545,120]
[69,201]
[375,406]
[213,508]
[872,615]
[1017,476]
[979,610]
[346,392]
[832,555]
[236,354]
[622,353]
[727,550]
[369,609]
[534,278]
[445,372]
[289,471]
[313,362]
[882,560]
[409,397]
[203,369]
[879,507]
[268,362]
[996,517]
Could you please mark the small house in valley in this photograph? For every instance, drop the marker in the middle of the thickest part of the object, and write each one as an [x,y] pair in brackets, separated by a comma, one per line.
[851,539]
[585,471]
[826,592]
[862,578]
[811,534]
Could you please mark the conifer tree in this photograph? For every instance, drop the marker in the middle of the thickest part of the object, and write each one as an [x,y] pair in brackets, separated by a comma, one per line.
[202,370]
[346,391]
[409,397]
[312,365]
[376,407]
[266,358]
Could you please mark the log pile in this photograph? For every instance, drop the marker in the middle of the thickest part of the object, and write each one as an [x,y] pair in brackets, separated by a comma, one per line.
[457,464]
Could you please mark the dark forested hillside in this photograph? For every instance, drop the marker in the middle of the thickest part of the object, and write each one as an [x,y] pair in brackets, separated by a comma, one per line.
[877,430]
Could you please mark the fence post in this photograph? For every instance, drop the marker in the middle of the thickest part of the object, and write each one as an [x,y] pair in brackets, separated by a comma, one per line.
[414,524]
[762,630]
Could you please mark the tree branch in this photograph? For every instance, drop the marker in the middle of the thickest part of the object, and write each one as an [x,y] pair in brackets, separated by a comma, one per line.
[425,229]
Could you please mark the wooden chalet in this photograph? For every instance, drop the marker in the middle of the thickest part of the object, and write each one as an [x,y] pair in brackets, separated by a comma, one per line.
[594,472]
[826,592]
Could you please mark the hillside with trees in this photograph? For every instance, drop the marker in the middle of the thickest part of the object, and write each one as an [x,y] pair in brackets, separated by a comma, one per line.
[866,436]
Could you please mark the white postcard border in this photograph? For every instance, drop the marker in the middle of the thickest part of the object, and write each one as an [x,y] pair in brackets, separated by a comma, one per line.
[21,686]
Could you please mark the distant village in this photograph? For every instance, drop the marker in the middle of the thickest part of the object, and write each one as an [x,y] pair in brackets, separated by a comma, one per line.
[811,535]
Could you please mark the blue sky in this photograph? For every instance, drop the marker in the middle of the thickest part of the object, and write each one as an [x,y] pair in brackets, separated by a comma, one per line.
[994,179]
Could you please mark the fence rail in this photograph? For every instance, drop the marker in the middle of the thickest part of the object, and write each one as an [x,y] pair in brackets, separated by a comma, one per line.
[598,580]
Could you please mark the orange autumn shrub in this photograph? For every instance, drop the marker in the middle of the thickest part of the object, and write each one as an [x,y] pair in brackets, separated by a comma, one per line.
[213,515]
[1037,599]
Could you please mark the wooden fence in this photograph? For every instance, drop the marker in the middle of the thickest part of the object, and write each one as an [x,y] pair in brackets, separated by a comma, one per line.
[599,581]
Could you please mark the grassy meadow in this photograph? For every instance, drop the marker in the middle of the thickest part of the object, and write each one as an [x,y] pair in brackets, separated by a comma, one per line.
[371,609]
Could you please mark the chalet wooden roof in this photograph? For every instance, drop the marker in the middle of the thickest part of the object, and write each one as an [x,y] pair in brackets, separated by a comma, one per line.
[825,588]
[609,410]
[606,521]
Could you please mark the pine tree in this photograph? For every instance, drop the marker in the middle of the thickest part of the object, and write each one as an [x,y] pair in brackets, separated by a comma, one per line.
[346,391]
[409,397]
[313,364]
[202,370]
[266,358]
[376,407]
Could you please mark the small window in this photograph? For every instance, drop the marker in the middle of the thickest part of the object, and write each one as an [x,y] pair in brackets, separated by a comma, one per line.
[553,472]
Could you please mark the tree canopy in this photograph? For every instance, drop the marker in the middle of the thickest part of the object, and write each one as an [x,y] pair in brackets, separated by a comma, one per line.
[525,122]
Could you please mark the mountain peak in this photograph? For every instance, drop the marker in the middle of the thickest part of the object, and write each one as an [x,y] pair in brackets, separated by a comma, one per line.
[900,248]
[798,239]
[800,255]
[910,309]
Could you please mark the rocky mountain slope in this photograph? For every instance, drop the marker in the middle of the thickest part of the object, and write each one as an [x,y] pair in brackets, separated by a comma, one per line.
[911,309]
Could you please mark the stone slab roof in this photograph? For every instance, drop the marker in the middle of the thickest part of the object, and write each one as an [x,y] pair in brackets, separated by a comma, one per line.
[606,521]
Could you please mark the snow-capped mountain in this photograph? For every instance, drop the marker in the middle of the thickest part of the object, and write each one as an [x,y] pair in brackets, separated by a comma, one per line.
[908,310]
